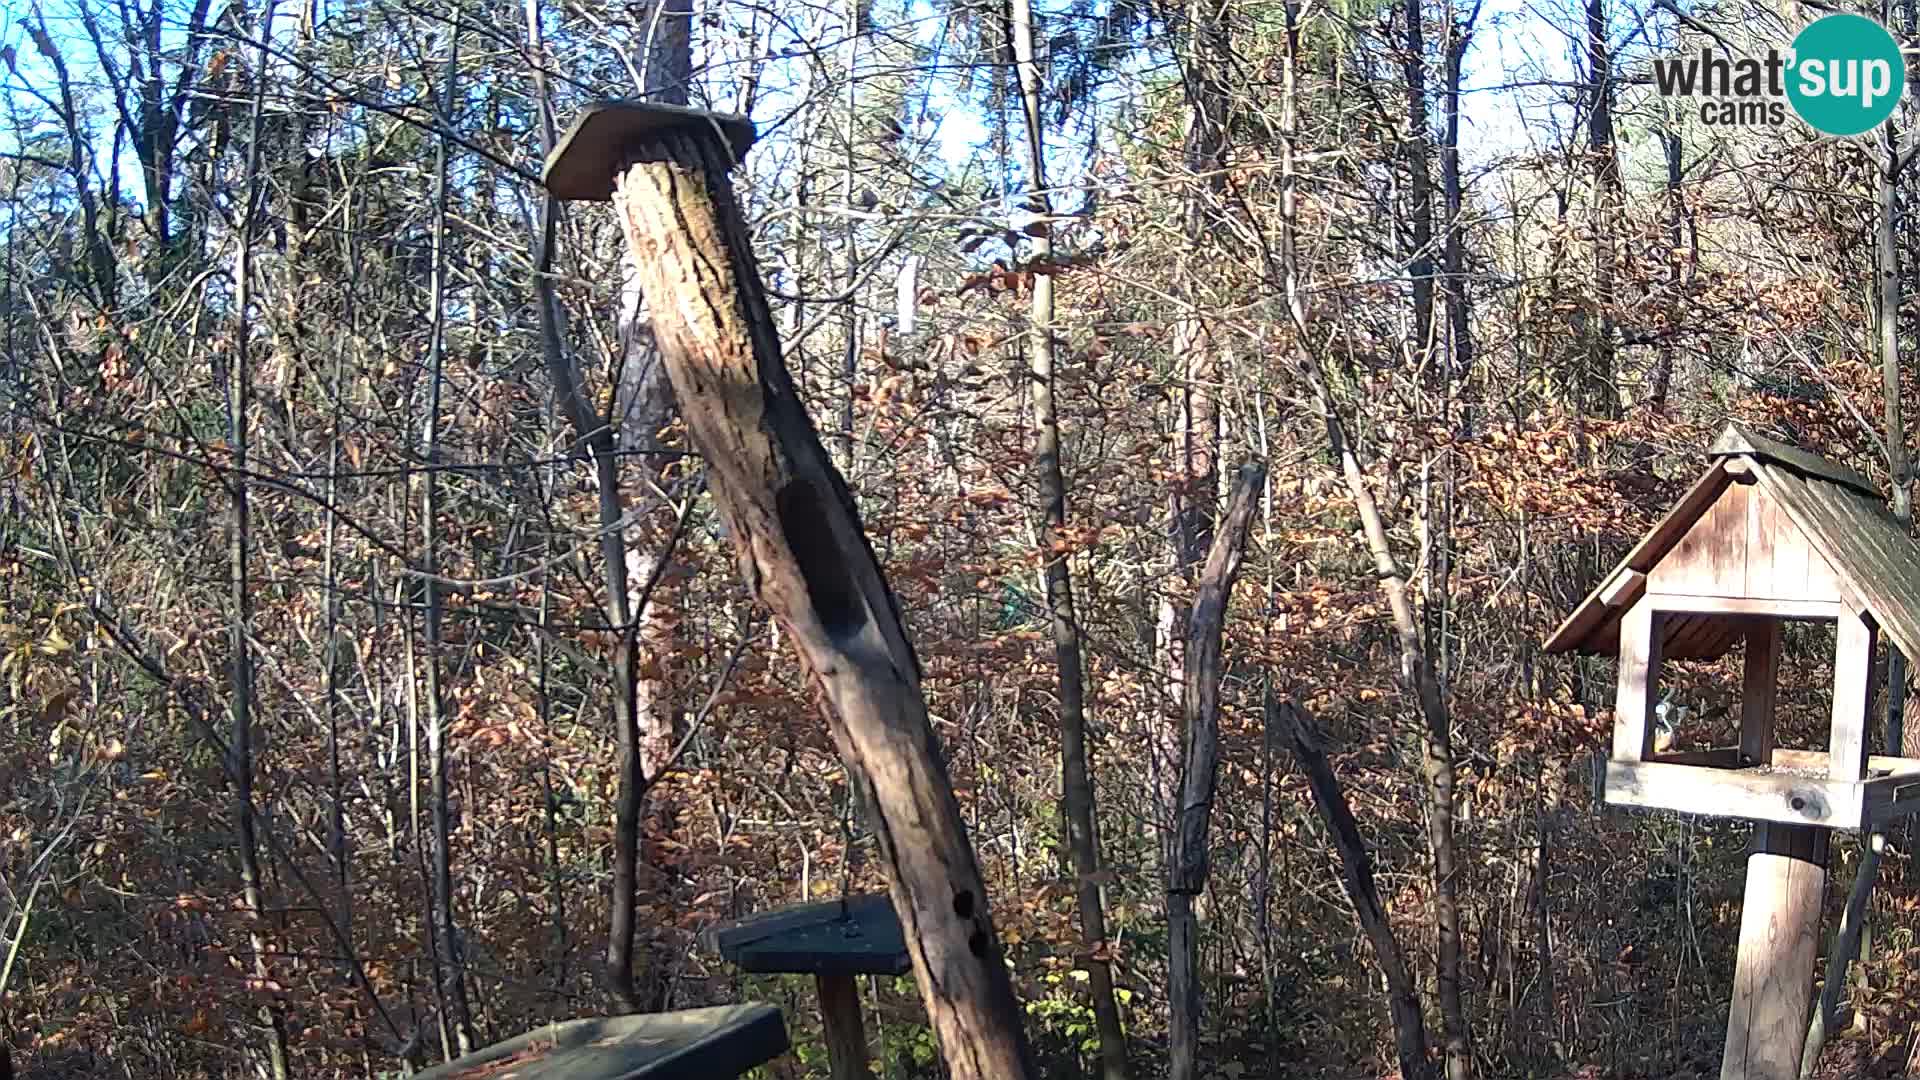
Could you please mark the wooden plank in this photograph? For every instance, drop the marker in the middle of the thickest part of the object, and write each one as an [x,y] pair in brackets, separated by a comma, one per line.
[1863,546]
[1637,682]
[1879,766]
[1852,690]
[1823,580]
[1759,689]
[1726,632]
[1695,639]
[721,1041]
[1689,567]
[1673,635]
[1625,587]
[859,936]
[859,907]
[1741,793]
[1779,939]
[1591,615]
[1737,441]
[601,138]
[1719,757]
[1778,563]
[846,1034]
[1745,605]
[1728,540]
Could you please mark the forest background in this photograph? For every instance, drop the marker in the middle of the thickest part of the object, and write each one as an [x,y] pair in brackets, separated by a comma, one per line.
[378,682]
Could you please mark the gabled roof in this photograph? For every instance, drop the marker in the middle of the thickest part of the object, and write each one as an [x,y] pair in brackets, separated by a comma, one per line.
[1841,514]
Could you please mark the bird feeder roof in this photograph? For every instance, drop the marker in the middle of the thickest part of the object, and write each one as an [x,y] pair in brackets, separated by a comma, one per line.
[1838,513]
[601,141]
[858,936]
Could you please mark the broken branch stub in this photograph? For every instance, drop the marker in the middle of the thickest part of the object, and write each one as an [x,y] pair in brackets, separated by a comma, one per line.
[803,552]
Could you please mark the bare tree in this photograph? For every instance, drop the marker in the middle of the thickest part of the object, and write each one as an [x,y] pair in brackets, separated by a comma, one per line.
[1077,801]
[239,568]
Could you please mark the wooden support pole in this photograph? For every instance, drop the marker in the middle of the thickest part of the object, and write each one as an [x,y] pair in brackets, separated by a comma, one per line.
[1759,688]
[846,1034]
[801,547]
[1852,689]
[1639,680]
[1779,937]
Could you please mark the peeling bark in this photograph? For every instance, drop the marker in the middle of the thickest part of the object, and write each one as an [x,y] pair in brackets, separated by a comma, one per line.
[803,552]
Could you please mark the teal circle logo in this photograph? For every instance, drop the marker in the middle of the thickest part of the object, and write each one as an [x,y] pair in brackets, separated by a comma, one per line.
[1846,74]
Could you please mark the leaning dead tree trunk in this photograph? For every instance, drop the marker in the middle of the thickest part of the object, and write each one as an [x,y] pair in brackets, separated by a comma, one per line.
[1356,874]
[1199,770]
[800,543]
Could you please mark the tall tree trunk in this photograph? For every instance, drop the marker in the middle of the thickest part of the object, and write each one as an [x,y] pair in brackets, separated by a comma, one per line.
[239,405]
[1419,185]
[803,551]
[452,974]
[1076,779]
[1453,254]
[1601,392]
[1436,726]
[1670,140]
[1886,319]
[641,706]
[850,238]
[1205,50]
[667,57]
[1199,772]
[644,407]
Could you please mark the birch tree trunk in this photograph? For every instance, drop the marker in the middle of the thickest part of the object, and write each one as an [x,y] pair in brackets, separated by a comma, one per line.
[641,704]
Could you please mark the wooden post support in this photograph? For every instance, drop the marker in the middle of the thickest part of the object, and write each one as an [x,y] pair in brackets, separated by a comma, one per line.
[1852,690]
[846,1034]
[1639,681]
[1779,937]
[800,544]
[1759,689]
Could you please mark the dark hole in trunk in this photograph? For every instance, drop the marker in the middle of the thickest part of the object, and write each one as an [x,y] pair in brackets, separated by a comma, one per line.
[803,520]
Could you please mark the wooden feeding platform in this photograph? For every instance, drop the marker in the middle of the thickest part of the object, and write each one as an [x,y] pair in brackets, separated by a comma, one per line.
[834,942]
[1770,534]
[1797,786]
[722,1041]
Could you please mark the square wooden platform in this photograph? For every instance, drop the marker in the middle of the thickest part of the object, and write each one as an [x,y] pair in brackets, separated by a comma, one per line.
[1794,790]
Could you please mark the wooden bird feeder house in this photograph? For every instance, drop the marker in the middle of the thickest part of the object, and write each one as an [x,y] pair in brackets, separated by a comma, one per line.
[833,942]
[1768,535]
